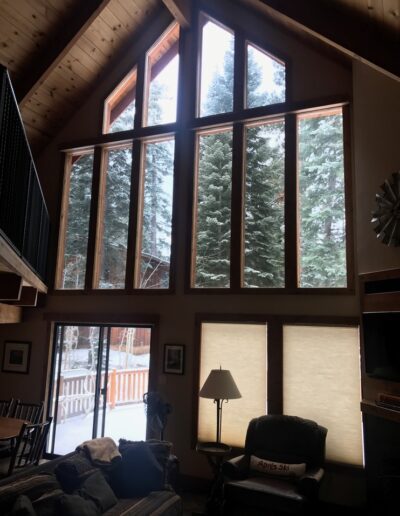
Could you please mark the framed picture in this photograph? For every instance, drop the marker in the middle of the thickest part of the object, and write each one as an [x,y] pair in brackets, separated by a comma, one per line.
[16,357]
[174,358]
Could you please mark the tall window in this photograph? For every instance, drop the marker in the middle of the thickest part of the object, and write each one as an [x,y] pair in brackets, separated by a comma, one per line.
[258,250]
[320,380]
[75,221]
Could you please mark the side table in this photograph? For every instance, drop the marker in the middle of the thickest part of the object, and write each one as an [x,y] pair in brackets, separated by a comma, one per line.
[215,454]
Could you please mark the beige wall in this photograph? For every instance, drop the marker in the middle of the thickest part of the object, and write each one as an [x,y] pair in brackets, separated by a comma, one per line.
[376,124]
[376,127]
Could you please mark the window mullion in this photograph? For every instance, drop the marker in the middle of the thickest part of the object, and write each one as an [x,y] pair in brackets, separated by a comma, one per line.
[237,207]
[94,210]
[275,367]
[140,91]
[135,215]
[348,196]
[291,222]
[240,72]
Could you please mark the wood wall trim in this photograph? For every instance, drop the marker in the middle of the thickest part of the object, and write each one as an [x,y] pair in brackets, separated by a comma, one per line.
[181,11]
[10,314]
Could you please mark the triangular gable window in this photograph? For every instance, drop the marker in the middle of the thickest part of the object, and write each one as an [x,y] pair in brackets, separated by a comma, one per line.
[119,106]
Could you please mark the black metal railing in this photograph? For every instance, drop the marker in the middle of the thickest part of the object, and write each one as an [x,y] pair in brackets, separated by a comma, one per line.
[24,220]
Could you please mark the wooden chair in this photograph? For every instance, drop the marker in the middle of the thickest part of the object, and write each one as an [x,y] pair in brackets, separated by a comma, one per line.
[31,412]
[30,445]
[7,407]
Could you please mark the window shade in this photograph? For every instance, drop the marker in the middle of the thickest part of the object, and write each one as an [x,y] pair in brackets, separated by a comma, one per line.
[241,348]
[321,381]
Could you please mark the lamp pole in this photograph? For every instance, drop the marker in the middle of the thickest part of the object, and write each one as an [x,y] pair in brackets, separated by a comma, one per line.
[219,402]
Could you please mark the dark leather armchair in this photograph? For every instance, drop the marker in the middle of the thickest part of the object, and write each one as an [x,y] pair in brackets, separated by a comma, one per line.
[286,440]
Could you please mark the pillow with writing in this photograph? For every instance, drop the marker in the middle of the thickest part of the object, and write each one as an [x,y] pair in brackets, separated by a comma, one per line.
[277,468]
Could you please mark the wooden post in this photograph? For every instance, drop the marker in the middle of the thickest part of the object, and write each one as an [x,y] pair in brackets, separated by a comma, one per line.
[113,388]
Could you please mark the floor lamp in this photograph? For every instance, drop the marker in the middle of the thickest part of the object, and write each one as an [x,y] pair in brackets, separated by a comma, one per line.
[219,386]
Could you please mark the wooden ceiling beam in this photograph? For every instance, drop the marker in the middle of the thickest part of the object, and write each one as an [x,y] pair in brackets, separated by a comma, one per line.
[181,11]
[29,296]
[346,29]
[10,314]
[10,286]
[64,39]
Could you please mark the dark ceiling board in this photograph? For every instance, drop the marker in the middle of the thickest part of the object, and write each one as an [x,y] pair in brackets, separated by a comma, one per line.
[347,29]
[10,286]
[28,297]
[62,41]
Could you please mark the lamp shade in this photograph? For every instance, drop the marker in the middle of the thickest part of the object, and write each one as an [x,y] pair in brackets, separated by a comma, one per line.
[220,385]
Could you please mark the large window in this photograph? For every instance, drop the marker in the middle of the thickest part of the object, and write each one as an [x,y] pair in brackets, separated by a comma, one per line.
[319,380]
[269,199]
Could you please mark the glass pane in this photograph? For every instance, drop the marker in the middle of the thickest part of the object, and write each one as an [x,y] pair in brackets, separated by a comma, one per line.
[115,221]
[77,382]
[162,77]
[242,349]
[213,210]
[77,223]
[264,253]
[157,215]
[128,380]
[265,79]
[119,107]
[322,202]
[216,92]
[321,381]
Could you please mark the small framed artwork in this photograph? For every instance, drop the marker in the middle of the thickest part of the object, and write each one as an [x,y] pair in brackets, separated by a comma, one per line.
[174,358]
[16,357]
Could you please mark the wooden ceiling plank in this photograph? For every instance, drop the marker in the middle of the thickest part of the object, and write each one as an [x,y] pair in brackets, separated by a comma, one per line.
[81,62]
[28,297]
[82,21]
[327,23]
[180,10]
[114,23]
[126,21]
[10,314]
[10,286]
[95,53]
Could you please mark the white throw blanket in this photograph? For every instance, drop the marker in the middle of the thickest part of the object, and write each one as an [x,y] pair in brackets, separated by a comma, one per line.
[101,451]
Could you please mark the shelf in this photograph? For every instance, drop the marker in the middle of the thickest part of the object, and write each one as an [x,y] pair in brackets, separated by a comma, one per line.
[372,409]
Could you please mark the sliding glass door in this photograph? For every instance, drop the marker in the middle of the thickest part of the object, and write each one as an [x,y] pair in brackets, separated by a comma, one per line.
[99,376]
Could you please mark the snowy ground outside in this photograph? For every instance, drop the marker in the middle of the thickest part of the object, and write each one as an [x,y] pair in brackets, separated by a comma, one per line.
[128,421]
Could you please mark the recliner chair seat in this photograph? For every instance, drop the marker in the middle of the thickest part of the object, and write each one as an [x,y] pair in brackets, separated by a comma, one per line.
[274,493]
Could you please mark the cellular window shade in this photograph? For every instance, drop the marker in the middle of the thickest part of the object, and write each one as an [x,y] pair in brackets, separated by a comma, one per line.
[321,381]
[241,348]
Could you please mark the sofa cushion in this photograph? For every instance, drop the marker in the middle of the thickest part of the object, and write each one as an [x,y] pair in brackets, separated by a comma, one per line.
[97,489]
[47,504]
[137,473]
[276,468]
[73,471]
[74,505]
[23,507]
[33,486]
[160,449]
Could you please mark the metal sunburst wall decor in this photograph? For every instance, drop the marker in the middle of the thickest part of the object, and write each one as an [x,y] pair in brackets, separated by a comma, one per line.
[387,214]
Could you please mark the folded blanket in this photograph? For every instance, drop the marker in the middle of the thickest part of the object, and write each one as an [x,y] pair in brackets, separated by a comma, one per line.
[101,451]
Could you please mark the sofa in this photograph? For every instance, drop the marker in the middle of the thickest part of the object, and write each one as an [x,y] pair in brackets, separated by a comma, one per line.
[138,482]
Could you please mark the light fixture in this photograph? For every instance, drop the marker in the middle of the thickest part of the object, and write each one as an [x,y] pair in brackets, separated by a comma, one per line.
[219,386]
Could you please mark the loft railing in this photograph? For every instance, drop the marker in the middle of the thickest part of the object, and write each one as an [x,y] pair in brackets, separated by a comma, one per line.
[24,220]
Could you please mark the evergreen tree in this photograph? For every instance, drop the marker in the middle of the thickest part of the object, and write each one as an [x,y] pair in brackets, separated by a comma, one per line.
[323,238]
[77,232]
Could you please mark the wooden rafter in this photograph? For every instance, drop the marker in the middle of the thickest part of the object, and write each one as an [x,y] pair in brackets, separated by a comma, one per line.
[10,286]
[180,10]
[63,41]
[345,29]
[10,314]
[28,297]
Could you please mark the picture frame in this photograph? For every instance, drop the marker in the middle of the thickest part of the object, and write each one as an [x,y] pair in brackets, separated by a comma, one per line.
[174,358]
[16,356]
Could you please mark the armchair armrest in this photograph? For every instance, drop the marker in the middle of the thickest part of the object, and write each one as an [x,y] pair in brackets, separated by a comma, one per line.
[236,468]
[310,481]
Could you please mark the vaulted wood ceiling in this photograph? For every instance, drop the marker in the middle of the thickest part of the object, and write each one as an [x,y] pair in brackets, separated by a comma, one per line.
[56,50]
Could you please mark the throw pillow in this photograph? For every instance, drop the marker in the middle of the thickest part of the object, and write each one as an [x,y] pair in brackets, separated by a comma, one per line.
[72,505]
[277,468]
[138,472]
[72,472]
[97,489]
[23,507]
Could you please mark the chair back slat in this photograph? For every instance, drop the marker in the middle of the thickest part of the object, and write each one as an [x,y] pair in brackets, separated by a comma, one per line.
[31,412]
[7,407]
[30,445]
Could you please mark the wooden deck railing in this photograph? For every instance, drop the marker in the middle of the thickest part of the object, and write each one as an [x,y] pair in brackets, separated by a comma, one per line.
[77,393]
